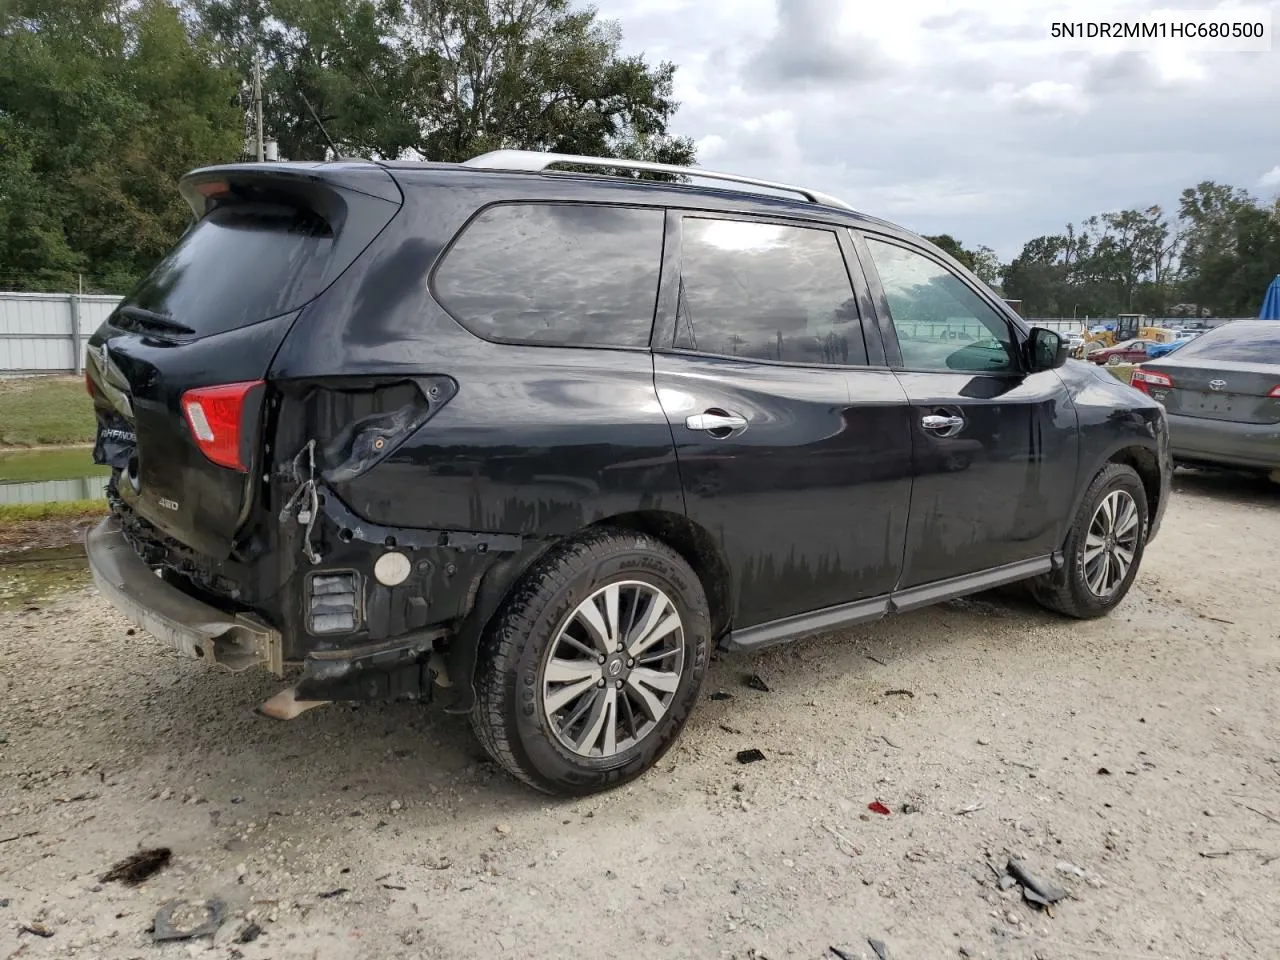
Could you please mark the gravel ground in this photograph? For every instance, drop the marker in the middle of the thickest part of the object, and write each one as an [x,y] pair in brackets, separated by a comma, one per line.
[1132,761]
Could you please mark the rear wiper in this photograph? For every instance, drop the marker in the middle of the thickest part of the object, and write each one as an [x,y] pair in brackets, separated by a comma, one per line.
[150,318]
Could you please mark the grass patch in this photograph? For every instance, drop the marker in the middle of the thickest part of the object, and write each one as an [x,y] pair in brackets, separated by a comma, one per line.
[32,466]
[63,510]
[38,411]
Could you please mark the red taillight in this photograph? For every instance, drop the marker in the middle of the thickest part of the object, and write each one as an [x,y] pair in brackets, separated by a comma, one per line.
[1275,392]
[1144,380]
[216,418]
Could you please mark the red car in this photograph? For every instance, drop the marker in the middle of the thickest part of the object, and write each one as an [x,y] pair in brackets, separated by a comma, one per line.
[1130,351]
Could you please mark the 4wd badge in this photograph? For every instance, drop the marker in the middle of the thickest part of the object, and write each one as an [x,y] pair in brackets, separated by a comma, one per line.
[167,503]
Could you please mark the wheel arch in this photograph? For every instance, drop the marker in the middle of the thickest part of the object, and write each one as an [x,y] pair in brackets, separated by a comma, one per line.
[697,547]
[1146,463]
[692,542]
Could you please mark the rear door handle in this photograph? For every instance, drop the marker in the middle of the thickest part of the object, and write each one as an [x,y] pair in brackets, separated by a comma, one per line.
[715,421]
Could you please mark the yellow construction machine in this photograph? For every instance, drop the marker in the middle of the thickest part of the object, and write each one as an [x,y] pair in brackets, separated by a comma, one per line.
[1128,326]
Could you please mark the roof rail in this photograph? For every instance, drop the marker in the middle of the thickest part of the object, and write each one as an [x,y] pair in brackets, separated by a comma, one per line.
[536,161]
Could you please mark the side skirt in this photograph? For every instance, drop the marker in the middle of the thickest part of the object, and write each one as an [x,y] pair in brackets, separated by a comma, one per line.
[845,615]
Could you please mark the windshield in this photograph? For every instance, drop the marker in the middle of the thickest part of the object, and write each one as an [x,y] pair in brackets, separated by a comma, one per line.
[239,265]
[1242,341]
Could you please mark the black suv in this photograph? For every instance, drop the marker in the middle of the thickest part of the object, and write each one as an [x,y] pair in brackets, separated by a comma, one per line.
[531,444]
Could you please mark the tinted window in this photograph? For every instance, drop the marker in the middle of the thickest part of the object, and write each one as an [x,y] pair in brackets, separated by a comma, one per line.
[1256,341]
[766,292]
[238,265]
[555,273]
[941,323]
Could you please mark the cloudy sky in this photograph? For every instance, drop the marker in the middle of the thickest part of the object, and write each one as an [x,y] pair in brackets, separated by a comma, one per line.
[961,116]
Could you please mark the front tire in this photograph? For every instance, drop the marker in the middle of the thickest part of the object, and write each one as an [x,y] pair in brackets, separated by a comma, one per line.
[1103,550]
[592,666]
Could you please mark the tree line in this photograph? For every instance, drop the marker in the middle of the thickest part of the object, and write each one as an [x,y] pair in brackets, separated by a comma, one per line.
[1214,257]
[104,104]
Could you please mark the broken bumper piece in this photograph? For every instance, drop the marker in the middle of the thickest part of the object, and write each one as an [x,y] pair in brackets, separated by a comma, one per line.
[194,628]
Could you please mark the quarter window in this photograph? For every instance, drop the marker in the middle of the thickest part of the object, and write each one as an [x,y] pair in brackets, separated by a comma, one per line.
[555,274]
[942,324]
[766,292]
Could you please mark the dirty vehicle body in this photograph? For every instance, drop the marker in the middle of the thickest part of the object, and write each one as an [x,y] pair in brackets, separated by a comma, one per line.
[1222,394]
[530,444]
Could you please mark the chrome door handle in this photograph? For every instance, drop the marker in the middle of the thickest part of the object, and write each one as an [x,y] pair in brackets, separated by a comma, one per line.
[715,421]
[934,422]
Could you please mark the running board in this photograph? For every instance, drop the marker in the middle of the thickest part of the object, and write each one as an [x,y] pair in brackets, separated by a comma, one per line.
[845,615]
[931,593]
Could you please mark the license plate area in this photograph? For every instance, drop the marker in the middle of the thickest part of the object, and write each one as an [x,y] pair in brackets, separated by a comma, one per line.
[1213,404]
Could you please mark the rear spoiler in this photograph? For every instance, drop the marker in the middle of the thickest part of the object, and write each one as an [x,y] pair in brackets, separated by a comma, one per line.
[205,188]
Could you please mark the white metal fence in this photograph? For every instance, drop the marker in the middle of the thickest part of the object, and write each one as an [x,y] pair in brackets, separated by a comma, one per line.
[52,491]
[46,332]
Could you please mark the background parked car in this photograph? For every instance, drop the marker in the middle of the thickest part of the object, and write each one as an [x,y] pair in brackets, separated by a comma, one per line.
[1164,349]
[1222,395]
[1130,351]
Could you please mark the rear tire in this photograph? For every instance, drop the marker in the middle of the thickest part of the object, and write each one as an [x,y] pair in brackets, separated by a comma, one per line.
[1103,550]
[548,710]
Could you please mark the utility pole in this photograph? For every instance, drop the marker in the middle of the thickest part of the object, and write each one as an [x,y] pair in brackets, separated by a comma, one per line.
[257,103]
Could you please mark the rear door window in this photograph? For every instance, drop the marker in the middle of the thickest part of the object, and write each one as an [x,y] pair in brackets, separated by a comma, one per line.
[1244,341]
[238,265]
[555,274]
[761,291]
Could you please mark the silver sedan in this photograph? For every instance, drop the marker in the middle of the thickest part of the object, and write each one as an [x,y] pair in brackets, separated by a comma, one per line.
[1221,393]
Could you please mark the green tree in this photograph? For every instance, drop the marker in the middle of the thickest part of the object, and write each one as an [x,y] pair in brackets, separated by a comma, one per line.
[1232,248]
[34,253]
[982,262]
[987,266]
[951,246]
[448,79]
[1048,277]
[107,103]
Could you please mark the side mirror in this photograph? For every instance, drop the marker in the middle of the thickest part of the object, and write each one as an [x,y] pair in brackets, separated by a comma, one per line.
[1046,350]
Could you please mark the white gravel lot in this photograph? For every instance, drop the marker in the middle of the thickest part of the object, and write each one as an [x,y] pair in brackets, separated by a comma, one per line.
[109,743]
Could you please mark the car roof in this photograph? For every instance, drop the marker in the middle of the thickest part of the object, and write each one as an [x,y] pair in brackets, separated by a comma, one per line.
[363,174]
[603,187]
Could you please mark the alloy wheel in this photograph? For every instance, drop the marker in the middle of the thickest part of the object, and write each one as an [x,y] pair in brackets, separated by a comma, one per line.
[1111,543]
[612,671]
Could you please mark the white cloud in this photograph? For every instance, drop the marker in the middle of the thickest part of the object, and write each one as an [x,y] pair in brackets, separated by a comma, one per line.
[958,116]
[1050,96]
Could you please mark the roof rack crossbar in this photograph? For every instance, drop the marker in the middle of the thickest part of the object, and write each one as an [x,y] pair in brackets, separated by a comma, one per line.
[536,161]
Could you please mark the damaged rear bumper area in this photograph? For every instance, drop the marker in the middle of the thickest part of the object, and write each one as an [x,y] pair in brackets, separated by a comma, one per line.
[406,667]
[194,628]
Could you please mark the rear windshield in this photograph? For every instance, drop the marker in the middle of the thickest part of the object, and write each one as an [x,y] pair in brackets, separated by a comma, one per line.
[239,265]
[1243,341]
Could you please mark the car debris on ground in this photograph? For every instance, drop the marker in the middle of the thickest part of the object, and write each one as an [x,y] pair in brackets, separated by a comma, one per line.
[133,870]
[1034,890]
[188,919]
